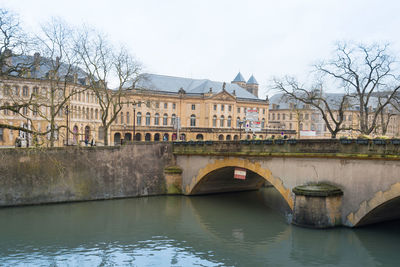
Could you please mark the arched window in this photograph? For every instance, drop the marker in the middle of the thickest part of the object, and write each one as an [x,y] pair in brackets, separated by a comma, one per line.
[222,121]
[221,137]
[199,137]
[165,119]
[173,118]
[127,118]
[147,119]
[229,122]
[139,118]
[101,133]
[122,118]
[157,119]
[228,137]
[214,122]
[192,120]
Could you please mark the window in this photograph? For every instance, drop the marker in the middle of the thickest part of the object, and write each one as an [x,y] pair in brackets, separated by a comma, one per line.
[157,104]
[193,107]
[229,108]
[263,110]
[283,116]
[214,121]
[290,126]
[262,123]
[127,118]
[91,114]
[148,103]
[122,118]
[6,110]
[173,105]
[173,117]
[147,118]
[165,105]
[279,116]
[157,119]
[16,90]
[237,122]
[1,134]
[25,110]
[25,91]
[7,90]
[229,122]
[222,121]
[350,118]
[35,91]
[215,107]
[96,114]
[87,97]
[222,107]
[238,110]
[192,120]
[301,116]
[165,119]
[273,116]
[139,118]
[139,104]
[290,116]
[306,116]
[301,127]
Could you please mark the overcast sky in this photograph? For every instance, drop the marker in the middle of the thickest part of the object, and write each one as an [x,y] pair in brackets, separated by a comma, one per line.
[215,39]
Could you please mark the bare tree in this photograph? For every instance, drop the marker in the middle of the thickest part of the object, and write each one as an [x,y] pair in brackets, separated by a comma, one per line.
[107,65]
[59,65]
[364,71]
[332,109]
[13,42]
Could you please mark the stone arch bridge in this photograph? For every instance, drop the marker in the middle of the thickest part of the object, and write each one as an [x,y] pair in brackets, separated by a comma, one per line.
[368,174]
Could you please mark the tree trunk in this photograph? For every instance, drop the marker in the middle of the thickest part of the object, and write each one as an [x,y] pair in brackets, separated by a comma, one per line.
[105,139]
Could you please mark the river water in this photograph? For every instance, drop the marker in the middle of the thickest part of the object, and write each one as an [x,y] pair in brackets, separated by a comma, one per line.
[239,229]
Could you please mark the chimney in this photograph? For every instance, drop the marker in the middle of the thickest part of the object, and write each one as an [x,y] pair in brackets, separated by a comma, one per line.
[36,61]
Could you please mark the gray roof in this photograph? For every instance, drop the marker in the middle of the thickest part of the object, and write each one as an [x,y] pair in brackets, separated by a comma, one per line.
[333,100]
[239,78]
[172,84]
[41,68]
[252,80]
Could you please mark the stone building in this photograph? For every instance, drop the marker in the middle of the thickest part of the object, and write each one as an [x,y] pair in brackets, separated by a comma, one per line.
[207,110]
[63,98]
[308,123]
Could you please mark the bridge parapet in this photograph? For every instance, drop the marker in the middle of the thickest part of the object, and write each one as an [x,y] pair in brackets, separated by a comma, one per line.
[348,148]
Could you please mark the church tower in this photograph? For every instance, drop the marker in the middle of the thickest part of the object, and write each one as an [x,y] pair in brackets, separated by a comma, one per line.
[239,80]
[252,86]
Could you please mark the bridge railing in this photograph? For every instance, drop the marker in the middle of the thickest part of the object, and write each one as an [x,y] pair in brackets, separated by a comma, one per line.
[303,147]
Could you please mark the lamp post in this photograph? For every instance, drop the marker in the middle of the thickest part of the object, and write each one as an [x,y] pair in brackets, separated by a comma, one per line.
[67,113]
[134,122]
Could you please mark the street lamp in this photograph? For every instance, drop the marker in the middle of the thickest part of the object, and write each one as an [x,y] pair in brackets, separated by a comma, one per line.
[134,121]
[67,113]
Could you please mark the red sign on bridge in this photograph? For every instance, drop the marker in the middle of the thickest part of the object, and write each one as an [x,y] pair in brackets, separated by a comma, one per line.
[239,173]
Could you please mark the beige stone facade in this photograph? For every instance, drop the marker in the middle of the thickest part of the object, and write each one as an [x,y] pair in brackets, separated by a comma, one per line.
[212,116]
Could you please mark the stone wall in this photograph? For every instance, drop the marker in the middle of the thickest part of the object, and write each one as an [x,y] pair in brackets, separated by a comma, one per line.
[34,176]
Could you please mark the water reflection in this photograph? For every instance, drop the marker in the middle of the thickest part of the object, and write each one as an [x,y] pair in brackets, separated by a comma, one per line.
[238,229]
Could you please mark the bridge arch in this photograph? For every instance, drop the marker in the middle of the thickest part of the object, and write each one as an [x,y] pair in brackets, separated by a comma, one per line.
[383,206]
[242,163]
